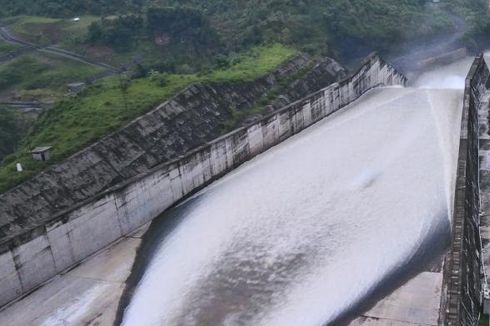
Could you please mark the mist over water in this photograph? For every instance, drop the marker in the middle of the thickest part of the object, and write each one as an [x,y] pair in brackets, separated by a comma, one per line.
[451,76]
[306,230]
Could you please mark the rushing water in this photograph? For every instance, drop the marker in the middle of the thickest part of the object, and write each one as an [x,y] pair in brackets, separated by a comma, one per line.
[305,231]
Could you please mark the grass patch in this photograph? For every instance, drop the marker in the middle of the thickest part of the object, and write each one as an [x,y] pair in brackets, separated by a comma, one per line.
[6,47]
[484,320]
[75,123]
[48,31]
[71,36]
[41,75]
[256,62]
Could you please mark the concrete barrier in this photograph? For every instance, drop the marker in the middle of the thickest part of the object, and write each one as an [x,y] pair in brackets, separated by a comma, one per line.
[38,254]
[443,59]
[462,285]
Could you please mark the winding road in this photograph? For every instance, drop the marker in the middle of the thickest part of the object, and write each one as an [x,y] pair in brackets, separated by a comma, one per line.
[25,47]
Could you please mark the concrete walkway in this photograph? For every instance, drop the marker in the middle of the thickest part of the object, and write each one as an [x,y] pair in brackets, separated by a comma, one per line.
[8,37]
[87,295]
[415,303]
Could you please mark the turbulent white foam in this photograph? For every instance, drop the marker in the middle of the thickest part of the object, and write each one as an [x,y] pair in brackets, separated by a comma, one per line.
[451,76]
[302,232]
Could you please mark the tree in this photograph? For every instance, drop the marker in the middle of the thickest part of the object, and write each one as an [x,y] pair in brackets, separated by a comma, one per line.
[124,83]
[10,132]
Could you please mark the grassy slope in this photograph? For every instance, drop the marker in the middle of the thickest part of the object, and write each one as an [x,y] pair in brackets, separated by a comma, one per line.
[483,320]
[6,47]
[71,35]
[41,76]
[75,123]
[48,31]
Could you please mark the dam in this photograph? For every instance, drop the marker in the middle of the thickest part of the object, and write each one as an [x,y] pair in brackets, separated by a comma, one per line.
[304,233]
[307,230]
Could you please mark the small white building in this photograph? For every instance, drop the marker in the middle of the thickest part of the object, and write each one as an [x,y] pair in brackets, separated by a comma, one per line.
[41,153]
[75,88]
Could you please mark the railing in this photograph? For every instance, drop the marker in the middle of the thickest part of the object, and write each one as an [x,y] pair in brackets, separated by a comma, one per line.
[462,296]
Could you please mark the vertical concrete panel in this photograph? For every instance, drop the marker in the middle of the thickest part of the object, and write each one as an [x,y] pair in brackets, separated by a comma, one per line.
[207,172]
[255,139]
[285,128]
[307,116]
[192,172]
[94,226]
[176,184]
[196,168]
[218,158]
[230,143]
[329,102]
[34,262]
[9,279]
[270,131]
[297,120]
[58,237]
[344,95]
[241,147]
[336,98]
[143,201]
[131,206]
[184,177]
[162,194]
[318,105]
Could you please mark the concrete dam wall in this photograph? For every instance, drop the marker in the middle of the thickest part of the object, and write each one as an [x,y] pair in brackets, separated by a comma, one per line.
[30,257]
[190,119]
[462,285]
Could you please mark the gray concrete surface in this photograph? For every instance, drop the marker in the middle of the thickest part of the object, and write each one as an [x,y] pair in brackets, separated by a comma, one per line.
[87,295]
[415,303]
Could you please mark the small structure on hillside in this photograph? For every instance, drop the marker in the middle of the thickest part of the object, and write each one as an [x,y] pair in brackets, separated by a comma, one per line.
[75,88]
[41,153]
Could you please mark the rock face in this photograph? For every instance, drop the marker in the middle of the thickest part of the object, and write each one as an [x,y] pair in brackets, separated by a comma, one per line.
[320,74]
[191,118]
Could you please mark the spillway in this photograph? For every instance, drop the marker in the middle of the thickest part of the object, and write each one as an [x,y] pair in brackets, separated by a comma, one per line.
[307,230]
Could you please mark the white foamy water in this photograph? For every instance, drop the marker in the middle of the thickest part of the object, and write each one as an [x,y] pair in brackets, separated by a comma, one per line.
[451,76]
[306,230]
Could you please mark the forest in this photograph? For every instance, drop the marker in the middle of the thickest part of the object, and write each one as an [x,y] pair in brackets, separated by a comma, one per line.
[339,28]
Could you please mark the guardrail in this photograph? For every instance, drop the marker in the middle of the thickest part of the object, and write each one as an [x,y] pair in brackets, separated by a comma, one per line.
[462,285]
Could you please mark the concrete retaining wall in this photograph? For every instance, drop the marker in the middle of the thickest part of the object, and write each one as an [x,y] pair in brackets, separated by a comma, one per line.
[191,118]
[462,296]
[38,254]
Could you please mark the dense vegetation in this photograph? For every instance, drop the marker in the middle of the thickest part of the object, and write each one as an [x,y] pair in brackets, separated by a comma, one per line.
[60,8]
[179,35]
[334,27]
[11,131]
[41,75]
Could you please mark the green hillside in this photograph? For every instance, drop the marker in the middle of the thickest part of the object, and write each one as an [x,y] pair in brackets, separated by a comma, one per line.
[204,29]
[110,104]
